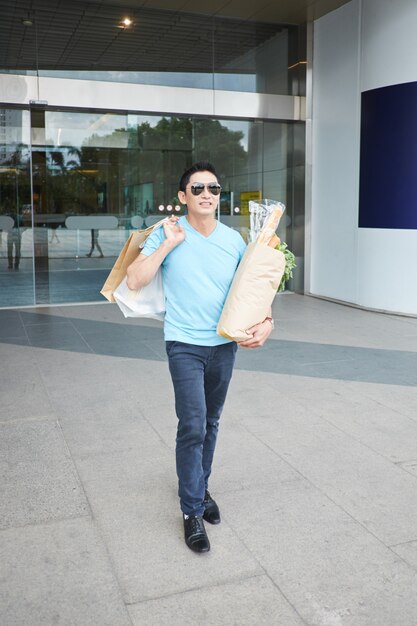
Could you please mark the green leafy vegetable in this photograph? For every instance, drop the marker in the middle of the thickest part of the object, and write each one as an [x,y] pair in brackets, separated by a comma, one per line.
[290,264]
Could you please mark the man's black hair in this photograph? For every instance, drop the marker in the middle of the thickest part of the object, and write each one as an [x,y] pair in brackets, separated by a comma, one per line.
[201,166]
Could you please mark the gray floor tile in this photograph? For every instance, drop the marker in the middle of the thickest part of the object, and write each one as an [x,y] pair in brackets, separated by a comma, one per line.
[125,347]
[243,461]
[105,312]
[158,346]
[13,340]
[60,336]
[76,399]
[338,362]
[250,602]
[329,567]
[11,324]
[62,370]
[260,393]
[402,399]
[48,315]
[408,552]
[152,389]
[315,471]
[102,328]
[160,415]
[163,420]
[376,492]
[150,468]
[115,426]
[135,503]
[410,466]
[58,573]
[150,556]
[383,429]
[38,479]
[133,328]
[23,393]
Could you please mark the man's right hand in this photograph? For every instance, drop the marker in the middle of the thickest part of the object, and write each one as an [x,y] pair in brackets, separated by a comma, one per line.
[174,233]
[143,269]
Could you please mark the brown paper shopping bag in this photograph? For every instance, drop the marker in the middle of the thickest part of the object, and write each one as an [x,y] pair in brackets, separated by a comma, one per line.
[252,291]
[128,254]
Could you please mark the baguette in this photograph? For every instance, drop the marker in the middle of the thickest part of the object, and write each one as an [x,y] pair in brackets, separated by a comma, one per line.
[270,226]
[274,241]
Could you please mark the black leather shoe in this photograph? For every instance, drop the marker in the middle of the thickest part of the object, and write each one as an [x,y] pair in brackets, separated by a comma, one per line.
[195,533]
[211,510]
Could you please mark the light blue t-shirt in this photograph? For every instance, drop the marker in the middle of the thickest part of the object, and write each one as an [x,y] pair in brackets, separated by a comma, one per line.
[197,275]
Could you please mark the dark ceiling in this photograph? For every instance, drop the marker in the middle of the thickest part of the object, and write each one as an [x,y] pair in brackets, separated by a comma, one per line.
[165,35]
[85,35]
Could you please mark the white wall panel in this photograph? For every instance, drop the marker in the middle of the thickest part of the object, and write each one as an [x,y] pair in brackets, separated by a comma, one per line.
[387,277]
[334,215]
[389,43]
[64,92]
[364,45]
[16,89]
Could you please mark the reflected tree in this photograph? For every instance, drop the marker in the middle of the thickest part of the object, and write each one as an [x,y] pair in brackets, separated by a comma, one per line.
[15,180]
[109,173]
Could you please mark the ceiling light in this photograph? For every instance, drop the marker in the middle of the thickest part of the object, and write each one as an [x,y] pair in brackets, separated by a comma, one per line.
[27,22]
[126,22]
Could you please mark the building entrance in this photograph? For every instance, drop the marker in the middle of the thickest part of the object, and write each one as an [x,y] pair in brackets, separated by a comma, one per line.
[73,184]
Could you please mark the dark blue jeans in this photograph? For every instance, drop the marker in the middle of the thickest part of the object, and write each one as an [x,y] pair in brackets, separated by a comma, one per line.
[201,376]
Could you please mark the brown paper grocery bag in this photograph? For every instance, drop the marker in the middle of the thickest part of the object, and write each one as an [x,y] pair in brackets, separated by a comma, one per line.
[253,289]
[128,254]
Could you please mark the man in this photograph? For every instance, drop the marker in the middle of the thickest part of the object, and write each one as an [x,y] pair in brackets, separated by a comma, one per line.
[199,257]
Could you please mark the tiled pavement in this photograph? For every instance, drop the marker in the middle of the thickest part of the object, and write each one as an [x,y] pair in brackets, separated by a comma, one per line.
[315,474]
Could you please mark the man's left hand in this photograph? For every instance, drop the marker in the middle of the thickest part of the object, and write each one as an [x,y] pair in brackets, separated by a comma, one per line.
[260,334]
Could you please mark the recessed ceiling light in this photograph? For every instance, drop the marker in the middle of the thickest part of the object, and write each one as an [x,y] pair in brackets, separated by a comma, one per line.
[127,22]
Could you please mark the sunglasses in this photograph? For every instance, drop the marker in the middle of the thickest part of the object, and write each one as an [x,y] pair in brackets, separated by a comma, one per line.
[213,188]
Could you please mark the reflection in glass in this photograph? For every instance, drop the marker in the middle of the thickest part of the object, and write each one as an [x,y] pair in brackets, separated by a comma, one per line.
[248,67]
[169,48]
[16,251]
[96,176]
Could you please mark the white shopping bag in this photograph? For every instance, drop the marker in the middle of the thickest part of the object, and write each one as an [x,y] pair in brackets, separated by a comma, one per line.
[149,301]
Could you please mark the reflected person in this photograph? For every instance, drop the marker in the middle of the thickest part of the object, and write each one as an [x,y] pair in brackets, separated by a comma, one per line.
[95,243]
[14,241]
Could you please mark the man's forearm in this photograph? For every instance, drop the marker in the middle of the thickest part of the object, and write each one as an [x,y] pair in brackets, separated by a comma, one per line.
[143,269]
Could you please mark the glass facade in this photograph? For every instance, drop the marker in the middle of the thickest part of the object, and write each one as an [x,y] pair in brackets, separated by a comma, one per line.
[74,184]
[161,47]
[16,231]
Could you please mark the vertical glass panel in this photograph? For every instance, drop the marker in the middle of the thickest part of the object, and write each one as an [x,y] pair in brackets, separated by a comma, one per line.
[163,47]
[16,235]
[276,169]
[266,161]
[297,228]
[96,177]
[242,56]
[161,148]
[78,198]
[104,174]
[232,157]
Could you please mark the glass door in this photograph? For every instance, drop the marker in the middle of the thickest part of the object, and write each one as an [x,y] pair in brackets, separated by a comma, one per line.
[73,185]
[16,232]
